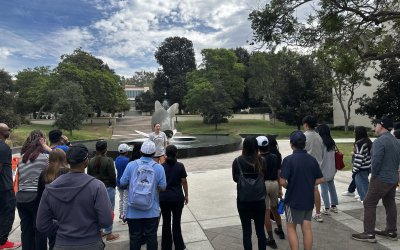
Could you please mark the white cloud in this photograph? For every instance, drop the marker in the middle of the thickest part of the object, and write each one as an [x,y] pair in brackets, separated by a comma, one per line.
[5,52]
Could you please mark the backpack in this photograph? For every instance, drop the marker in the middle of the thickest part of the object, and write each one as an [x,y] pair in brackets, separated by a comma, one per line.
[250,189]
[142,185]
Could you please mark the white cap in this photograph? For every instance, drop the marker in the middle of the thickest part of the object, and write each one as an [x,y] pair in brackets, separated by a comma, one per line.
[148,147]
[262,141]
[123,148]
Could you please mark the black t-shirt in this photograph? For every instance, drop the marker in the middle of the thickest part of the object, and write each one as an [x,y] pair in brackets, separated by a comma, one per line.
[174,172]
[6,182]
[271,166]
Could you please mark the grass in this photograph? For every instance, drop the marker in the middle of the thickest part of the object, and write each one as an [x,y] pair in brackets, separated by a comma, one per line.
[235,127]
[87,132]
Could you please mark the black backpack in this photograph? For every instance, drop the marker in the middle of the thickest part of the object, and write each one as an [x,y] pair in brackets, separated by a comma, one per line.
[250,186]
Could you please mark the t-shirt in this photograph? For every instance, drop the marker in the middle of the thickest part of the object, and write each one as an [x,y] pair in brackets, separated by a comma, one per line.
[6,182]
[159,140]
[63,147]
[301,170]
[271,165]
[314,145]
[120,164]
[174,172]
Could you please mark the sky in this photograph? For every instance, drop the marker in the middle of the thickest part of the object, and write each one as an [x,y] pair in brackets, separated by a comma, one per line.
[123,33]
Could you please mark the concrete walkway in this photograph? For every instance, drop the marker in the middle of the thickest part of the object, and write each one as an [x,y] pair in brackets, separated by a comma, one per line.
[210,220]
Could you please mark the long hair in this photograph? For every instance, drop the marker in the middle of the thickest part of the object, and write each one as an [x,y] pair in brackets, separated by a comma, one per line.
[360,133]
[57,160]
[274,147]
[171,151]
[250,153]
[32,147]
[325,133]
[97,158]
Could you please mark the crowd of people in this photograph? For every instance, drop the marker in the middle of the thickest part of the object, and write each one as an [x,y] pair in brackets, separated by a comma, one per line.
[65,199]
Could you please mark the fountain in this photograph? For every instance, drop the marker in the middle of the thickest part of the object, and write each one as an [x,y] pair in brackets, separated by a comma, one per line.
[188,146]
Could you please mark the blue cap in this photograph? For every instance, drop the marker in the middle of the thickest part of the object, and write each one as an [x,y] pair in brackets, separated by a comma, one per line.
[296,136]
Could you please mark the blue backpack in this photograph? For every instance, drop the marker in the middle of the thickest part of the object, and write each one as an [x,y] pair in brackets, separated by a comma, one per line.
[142,185]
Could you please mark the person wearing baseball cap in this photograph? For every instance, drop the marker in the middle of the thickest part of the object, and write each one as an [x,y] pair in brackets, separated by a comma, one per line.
[120,164]
[78,202]
[383,182]
[300,173]
[272,167]
[141,220]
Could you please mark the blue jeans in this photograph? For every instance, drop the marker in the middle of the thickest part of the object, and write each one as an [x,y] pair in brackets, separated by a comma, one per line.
[362,183]
[146,226]
[328,190]
[111,195]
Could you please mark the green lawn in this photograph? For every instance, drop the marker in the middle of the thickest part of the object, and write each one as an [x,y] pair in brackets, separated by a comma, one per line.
[87,132]
[235,127]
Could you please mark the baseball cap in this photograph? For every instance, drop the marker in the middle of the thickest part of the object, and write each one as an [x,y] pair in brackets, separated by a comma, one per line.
[148,147]
[296,136]
[101,145]
[385,121]
[123,148]
[77,154]
[262,141]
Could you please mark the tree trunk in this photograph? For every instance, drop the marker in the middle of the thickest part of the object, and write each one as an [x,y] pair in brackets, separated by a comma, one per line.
[40,111]
[216,126]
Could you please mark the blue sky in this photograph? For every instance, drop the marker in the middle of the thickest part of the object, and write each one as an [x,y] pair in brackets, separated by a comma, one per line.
[123,33]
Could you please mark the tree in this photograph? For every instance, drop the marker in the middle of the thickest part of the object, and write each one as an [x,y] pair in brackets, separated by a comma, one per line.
[302,89]
[208,99]
[264,80]
[386,99]
[370,28]
[101,86]
[140,79]
[223,70]
[33,86]
[346,71]
[7,108]
[176,57]
[71,107]
[145,102]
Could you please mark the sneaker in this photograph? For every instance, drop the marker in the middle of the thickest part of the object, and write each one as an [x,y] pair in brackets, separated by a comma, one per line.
[326,211]
[10,245]
[271,243]
[280,233]
[357,197]
[111,237]
[334,210]
[318,217]
[387,235]
[347,193]
[364,237]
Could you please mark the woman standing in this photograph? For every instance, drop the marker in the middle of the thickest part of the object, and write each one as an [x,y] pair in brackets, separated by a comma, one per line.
[362,160]
[328,169]
[173,199]
[57,166]
[102,168]
[160,139]
[249,165]
[33,162]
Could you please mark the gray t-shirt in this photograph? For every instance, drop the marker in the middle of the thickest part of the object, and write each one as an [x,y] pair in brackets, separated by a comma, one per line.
[314,145]
[160,140]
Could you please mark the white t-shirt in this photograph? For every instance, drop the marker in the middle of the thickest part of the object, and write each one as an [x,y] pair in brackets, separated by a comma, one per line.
[159,140]
[314,145]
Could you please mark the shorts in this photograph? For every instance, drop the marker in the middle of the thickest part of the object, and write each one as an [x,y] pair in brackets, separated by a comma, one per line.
[271,199]
[295,216]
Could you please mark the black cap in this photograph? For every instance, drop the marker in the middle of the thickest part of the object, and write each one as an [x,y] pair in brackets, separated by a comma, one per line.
[55,135]
[101,145]
[385,121]
[77,154]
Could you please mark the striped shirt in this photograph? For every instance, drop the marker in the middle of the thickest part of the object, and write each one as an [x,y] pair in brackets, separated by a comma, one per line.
[29,172]
[362,156]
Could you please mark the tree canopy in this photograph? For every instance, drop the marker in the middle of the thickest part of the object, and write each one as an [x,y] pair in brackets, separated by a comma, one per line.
[371,28]
[7,104]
